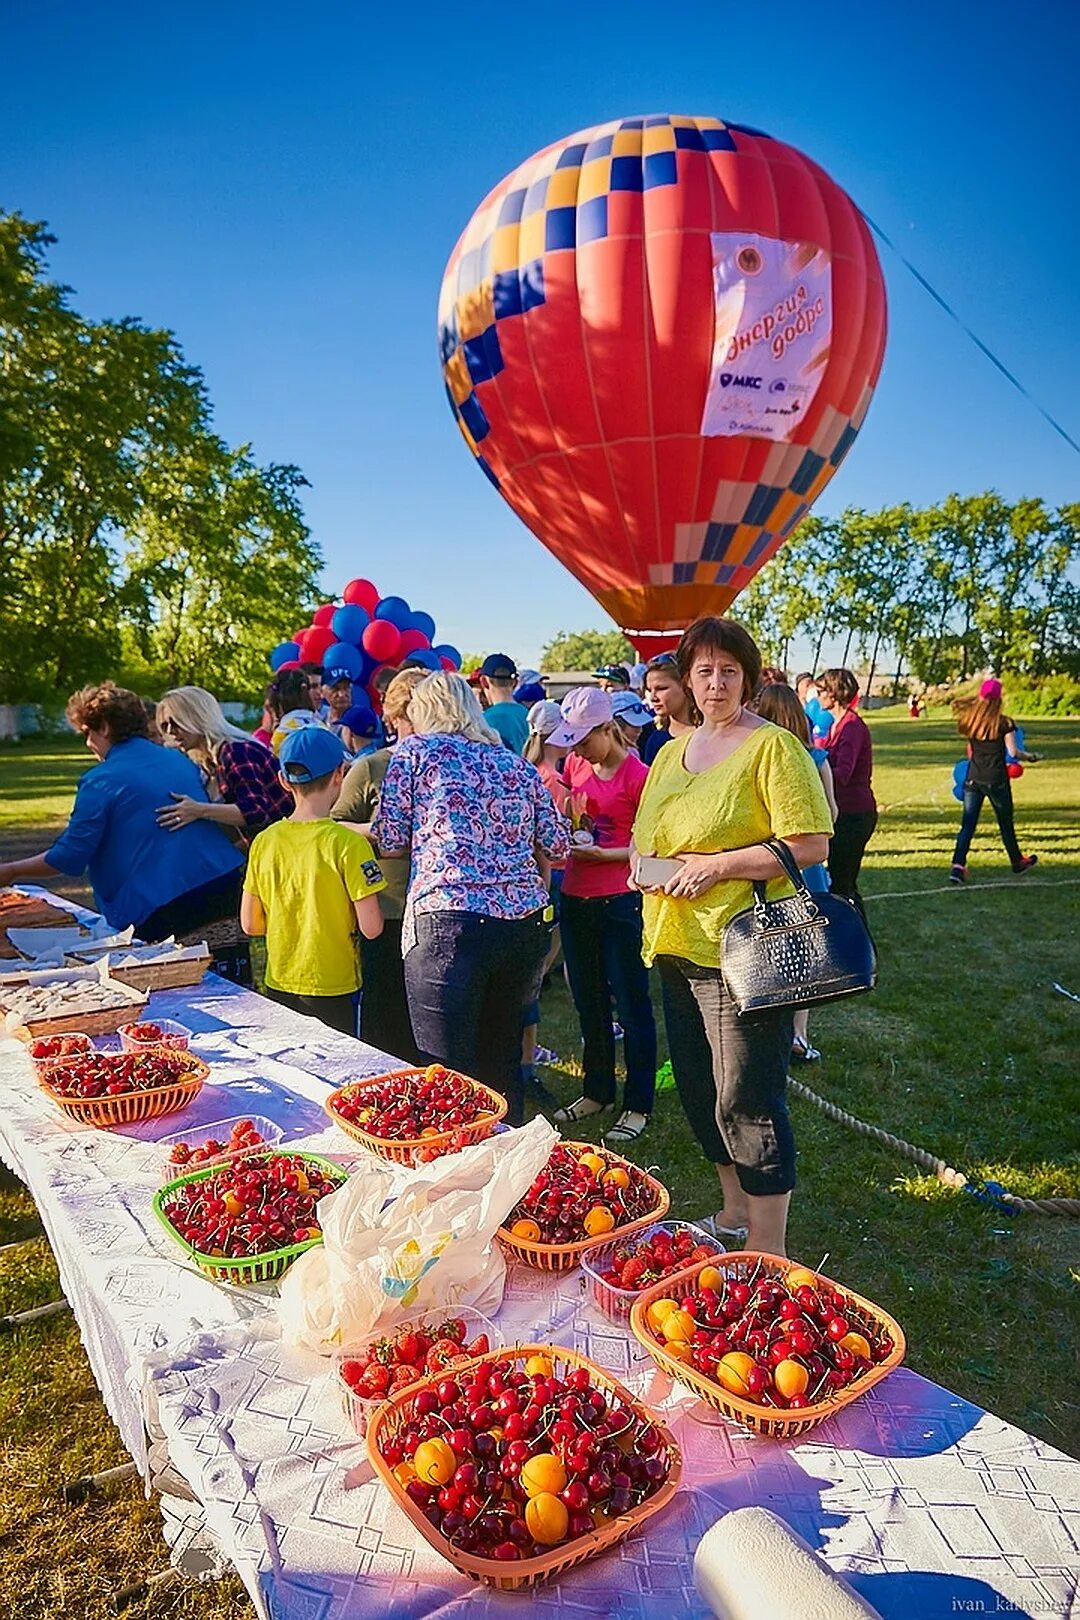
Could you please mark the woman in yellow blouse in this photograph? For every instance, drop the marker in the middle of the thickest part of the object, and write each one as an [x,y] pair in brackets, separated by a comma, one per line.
[710,800]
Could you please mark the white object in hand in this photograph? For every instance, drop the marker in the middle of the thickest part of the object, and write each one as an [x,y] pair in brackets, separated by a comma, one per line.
[750,1565]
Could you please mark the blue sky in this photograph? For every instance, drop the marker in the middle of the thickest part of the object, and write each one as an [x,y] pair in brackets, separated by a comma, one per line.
[282,185]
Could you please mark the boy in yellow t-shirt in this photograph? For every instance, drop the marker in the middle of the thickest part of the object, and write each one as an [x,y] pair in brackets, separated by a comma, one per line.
[310,883]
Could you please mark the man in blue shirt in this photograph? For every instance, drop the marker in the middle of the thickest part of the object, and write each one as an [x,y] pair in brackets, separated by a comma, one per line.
[142,874]
[497,680]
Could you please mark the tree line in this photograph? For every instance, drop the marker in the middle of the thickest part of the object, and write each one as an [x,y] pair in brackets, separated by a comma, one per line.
[133,539]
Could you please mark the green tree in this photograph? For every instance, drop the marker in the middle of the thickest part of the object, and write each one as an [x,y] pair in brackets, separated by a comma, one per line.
[586,649]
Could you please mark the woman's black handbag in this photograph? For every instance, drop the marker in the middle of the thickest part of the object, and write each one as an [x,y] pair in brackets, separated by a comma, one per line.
[796,952]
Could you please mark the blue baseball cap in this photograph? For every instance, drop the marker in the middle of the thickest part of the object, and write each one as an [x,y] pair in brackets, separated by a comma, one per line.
[309,753]
[499,667]
[361,720]
[529,693]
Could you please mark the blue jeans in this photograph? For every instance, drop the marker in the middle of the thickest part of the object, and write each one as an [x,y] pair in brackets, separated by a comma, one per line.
[601,941]
[1002,801]
[467,978]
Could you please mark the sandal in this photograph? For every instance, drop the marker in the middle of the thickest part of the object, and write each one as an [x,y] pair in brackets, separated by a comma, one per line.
[581,1108]
[627,1128]
[803,1052]
[712,1225]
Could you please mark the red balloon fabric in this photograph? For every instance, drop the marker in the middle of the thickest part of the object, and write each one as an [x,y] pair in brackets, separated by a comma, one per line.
[362,593]
[324,614]
[659,338]
[314,642]
[412,641]
[382,640]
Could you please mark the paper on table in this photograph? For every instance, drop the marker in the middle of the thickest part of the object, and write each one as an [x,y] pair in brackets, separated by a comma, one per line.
[36,942]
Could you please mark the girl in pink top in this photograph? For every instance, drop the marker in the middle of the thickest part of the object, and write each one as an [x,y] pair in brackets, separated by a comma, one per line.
[601,918]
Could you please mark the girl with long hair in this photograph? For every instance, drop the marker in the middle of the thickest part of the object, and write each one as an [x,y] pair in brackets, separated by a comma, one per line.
[670,701]
[989,733]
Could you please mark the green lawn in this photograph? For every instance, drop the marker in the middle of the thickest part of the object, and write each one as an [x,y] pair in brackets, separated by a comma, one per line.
[965,1049]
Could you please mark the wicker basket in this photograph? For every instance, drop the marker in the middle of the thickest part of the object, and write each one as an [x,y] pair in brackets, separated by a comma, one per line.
[615,1301]
[164,975]
[255,1268]
[358,1408]
[396,1412]
[403,1152]
[767,1420]
[132,1106]
[565,1256]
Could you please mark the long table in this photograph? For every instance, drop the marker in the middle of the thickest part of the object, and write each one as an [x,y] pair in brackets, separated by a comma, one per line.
[928,1504]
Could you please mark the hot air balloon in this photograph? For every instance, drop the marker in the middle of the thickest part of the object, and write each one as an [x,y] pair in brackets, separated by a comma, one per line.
[659,338]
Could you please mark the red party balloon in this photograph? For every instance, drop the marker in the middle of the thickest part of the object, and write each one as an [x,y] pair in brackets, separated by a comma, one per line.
[660,338]
[412,641]
[448,664]
[314,642]
[324,614]
[290,663]
[362,593]
[382,640]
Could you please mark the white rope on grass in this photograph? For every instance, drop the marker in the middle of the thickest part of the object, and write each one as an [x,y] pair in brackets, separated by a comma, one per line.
[973,888]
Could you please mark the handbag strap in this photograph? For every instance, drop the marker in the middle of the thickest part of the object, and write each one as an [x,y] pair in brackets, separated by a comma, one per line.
[779,850]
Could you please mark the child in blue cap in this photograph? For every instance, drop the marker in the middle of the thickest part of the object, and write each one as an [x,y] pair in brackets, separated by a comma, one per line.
[310,883]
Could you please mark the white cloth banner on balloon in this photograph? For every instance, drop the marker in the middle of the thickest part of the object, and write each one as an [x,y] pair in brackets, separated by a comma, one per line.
[773,331]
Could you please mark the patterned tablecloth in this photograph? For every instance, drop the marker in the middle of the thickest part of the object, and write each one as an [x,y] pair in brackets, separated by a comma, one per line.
[929,1505]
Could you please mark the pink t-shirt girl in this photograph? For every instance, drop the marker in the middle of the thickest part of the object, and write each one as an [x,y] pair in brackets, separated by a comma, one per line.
[607,810]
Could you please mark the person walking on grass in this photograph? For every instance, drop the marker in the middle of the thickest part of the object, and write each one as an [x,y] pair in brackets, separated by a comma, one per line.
[601,918]
[990,735]
[851,757]
[310,885]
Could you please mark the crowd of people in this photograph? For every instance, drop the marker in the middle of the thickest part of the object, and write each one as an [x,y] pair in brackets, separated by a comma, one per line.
[441,847]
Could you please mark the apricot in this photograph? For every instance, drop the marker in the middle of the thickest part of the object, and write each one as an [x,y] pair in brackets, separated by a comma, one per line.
[709,1277]
[547,1518]
[527,1230]
[658,1310]
[544,1473]
[678,1325]
[857,1344]
[732,1371]
[434,1462]
[790,1378]
[598,1220]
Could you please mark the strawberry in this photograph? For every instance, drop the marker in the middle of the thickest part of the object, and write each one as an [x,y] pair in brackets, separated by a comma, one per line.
[480,1346]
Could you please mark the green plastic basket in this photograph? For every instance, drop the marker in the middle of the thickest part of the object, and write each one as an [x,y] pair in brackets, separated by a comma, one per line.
[257,1267]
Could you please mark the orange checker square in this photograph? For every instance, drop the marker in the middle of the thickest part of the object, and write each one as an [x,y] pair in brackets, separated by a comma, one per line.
[457,377]
[657,138]
[595,179]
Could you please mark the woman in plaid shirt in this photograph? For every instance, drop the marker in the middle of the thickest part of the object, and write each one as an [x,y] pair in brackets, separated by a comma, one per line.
[241,776]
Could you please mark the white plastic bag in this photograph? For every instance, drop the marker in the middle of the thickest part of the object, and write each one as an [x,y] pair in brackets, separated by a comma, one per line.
[400,1242]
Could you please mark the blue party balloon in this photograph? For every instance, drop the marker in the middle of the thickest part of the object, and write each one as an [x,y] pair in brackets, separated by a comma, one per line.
[396,610]
[423,621]
[959,777]
[342,657]
[426,657]
[445,650]
[360,699]
[282,653]
[349,623]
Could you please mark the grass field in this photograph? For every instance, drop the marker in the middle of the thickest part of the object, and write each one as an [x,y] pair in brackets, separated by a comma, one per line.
[965,1049]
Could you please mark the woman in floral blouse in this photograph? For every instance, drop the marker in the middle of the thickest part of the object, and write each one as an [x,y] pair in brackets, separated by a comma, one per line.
[474,818]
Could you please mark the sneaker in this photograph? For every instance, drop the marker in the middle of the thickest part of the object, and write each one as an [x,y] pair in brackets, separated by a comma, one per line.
[958,874]
[546,1057]
[1025,863]
[627,1128]
[617,1031]
[713,1226]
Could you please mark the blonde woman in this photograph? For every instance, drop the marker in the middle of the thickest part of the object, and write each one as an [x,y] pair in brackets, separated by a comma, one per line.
[384,1008]
[474,819]
[240,774]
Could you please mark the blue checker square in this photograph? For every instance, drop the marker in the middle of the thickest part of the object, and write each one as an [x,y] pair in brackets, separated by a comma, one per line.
[805,473]
[532,284]
[511,206]
[689,140]
[560,229]
[601,147]
[757,548]
[472,414]
[683,573]
[506,294]
[535,197]
[476,359]
[571,158]
[486,469]
[493,351]
[592,220]
[725,573]
[636,123]
[718,536]
[717,140]
[761,503]
[468,275]
[660,170]
[660,122]
[795,519]
[844,444]
[448,338]
[626,174]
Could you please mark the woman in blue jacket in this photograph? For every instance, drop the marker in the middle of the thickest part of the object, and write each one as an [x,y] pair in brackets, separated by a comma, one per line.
[161,882]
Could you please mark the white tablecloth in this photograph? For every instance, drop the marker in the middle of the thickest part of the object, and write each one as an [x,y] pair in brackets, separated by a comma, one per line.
[929,1505]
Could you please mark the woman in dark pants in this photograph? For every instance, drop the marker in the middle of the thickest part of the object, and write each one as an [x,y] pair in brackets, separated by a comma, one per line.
[851,757]
[711,798]
[990,735]
[473,817]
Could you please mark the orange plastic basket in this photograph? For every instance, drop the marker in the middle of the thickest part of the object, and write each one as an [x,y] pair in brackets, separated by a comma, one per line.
[564,1256]
[402,1152]
[132,1106]
[396,1413]
[767,1420]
